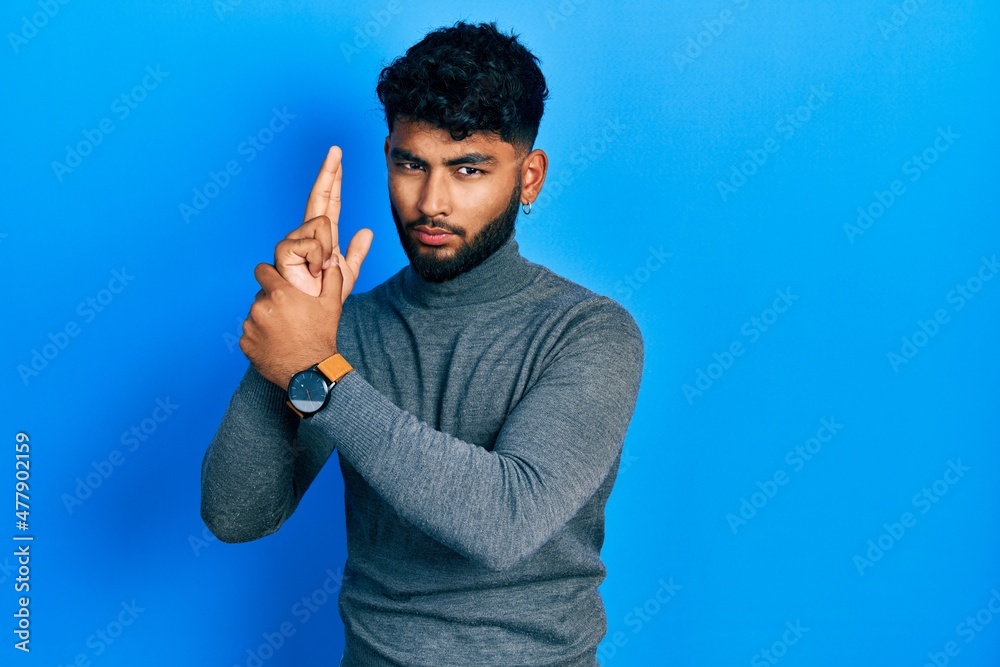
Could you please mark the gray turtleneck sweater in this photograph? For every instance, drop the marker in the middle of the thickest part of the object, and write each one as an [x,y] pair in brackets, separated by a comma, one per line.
[479,437]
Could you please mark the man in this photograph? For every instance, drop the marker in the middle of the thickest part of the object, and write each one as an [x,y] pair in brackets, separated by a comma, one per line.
[478,401]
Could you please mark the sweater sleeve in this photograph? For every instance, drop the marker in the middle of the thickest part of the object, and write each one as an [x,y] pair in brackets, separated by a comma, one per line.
[554,450]
[254,473]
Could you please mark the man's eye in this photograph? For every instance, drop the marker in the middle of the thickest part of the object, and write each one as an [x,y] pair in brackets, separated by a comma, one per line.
[472,169]
[405,166]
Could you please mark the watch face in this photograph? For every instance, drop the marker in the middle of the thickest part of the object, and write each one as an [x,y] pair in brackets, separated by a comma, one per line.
[307,391]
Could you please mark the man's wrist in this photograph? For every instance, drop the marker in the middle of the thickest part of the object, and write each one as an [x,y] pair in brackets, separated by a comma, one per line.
[309,389]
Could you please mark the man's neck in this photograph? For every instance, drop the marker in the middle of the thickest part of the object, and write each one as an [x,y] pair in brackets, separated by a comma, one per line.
[501,274]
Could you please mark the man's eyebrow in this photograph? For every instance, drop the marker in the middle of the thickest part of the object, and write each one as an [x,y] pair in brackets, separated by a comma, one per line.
[403,154]
[471,158]
[468,158]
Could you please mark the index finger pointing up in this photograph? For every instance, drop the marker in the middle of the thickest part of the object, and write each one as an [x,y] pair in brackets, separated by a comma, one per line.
[324,199]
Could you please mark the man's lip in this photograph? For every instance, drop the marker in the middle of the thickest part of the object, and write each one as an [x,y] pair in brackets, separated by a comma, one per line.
[432,238]
[431,230]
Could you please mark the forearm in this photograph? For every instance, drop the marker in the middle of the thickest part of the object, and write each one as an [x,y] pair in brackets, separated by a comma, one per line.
[407,462]
[248,475]
[494,507]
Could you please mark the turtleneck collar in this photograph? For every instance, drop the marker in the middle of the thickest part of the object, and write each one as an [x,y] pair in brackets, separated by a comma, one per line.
[501,274]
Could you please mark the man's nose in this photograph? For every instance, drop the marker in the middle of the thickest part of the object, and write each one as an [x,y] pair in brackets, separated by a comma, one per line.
[434,199]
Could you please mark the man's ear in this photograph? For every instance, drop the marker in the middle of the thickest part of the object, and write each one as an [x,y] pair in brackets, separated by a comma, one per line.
[386,150]
[533,171]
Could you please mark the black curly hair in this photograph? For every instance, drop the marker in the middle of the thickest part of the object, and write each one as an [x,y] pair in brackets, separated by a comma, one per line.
[465,79]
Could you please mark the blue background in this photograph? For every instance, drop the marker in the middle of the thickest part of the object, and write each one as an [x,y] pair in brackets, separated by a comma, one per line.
[652,108]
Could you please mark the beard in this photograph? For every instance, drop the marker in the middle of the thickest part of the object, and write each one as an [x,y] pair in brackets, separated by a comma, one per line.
[469,254]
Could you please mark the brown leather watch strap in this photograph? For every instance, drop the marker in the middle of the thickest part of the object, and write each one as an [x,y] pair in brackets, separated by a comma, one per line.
[334,367]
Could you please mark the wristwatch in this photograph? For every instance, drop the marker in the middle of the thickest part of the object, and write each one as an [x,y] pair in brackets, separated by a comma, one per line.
[309,390]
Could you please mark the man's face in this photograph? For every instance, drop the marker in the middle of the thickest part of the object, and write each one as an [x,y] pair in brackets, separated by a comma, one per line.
[468,191]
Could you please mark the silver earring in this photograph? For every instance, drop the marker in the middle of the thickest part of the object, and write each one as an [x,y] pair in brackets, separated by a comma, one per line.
[527,211]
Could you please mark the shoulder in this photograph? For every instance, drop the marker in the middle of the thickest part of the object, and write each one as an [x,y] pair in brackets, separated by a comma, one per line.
[591,342]
[584,327]
[584,310]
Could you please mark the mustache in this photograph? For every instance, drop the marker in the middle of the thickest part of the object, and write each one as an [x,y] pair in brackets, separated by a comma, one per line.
[430,225]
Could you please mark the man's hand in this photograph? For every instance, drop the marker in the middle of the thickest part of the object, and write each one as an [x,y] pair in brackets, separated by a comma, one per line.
[288,331]
[307,251]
